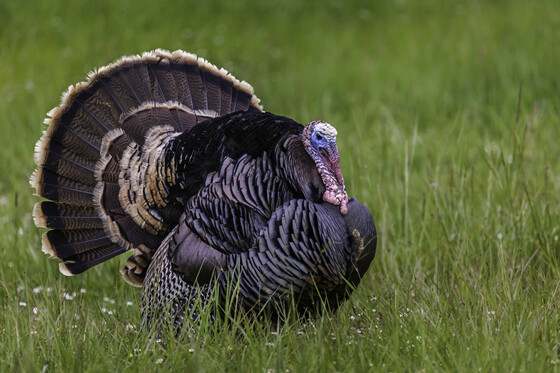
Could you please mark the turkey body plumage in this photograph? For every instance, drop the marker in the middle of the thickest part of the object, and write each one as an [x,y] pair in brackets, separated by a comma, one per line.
[165,155]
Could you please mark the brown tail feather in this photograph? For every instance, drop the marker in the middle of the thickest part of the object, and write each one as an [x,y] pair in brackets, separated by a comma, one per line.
[65,243]
[63,216]
[81,262]
[71,166]
[52,186]
[99,140]
[164,81]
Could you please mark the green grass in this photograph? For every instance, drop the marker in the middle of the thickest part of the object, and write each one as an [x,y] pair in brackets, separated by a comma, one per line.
[449,120]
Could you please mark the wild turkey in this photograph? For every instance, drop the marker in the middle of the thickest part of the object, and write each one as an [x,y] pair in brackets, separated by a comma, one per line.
[168,156]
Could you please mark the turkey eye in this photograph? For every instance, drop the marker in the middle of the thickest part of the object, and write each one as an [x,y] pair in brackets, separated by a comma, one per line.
[319,137]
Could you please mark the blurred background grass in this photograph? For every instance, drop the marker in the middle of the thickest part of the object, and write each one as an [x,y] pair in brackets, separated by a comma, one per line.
[448,114]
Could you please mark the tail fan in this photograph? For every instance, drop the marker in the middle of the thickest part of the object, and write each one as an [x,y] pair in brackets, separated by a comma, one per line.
[101,137]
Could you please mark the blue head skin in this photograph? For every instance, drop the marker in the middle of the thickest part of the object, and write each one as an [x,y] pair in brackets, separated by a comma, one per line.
[326,146]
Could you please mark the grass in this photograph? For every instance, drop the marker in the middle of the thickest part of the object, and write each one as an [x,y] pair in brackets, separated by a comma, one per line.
[449,123]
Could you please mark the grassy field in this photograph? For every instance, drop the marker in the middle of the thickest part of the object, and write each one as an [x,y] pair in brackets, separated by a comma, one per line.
[449,121]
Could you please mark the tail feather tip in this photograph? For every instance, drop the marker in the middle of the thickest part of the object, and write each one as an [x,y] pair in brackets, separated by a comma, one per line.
[38,217]
[47,247]
[63,268]
[33,179]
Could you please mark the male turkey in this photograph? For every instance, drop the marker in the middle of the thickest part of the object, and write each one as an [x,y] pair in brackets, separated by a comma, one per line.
[168,156]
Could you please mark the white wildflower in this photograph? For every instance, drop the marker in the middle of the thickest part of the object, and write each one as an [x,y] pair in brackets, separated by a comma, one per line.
[22,304]
[159,361]
[37,289]
[68,296]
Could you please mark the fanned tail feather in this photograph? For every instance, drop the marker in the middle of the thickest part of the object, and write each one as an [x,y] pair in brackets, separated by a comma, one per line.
[103,120]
